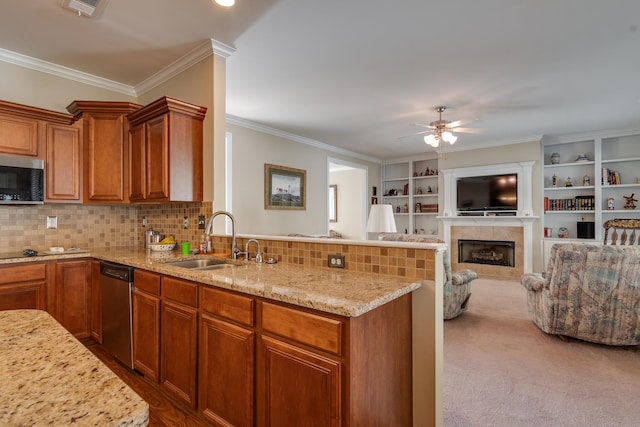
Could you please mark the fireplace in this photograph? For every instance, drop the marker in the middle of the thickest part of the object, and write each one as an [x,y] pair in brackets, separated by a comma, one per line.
[491,252]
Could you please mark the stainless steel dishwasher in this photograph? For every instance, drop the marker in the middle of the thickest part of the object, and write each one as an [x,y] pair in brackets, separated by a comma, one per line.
[116,283]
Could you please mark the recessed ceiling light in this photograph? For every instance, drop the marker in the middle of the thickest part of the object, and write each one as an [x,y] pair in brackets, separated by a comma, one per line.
[225,3]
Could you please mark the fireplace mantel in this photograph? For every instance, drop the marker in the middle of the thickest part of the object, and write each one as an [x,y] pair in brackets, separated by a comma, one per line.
[523,218]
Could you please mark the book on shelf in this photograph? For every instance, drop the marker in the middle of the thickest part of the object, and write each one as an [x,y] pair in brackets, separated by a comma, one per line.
[610,177]
[578,203]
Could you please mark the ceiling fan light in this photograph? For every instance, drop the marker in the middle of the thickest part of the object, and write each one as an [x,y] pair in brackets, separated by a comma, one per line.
[225,3]
[449,137]
[431,140]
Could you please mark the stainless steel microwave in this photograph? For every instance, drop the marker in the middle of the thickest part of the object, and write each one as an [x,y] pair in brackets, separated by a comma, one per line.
[21,181]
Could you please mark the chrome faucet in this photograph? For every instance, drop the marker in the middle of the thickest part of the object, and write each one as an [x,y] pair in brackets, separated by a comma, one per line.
[209,230]
[246,250]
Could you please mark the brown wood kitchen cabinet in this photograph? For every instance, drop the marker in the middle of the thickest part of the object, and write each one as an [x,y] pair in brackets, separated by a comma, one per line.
[96,302]
[23,286]
[178,338]
[73,296]
[226,372]
[165,151]
[63,164]
[105,130]
[146,324]
[300,364]
[22,128]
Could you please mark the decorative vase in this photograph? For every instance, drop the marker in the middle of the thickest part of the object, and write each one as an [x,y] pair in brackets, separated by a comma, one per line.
[555,158]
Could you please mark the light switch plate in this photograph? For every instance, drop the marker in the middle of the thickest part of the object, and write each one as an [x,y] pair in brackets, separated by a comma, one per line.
[52,222]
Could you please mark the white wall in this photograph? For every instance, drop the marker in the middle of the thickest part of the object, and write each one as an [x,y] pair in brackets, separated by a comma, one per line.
[251,150]
[350,214]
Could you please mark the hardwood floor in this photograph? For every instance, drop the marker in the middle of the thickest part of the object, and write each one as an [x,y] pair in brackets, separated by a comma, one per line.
[164,410]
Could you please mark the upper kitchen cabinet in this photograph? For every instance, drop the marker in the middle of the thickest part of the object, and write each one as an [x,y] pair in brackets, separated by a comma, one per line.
[105,130]
[165,152]
[23,128]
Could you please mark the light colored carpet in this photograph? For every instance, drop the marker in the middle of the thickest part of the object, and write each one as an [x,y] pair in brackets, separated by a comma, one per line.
[501,370]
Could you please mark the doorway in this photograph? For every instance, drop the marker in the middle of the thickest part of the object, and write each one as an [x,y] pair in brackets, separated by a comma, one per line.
[347,198]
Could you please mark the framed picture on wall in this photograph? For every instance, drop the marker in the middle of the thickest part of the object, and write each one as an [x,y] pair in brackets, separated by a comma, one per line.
[333,203]
[284,187]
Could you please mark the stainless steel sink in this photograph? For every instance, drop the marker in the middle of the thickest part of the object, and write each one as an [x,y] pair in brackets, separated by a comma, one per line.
[200,263]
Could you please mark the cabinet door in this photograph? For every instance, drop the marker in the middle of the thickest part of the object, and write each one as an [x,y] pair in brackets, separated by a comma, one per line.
[23,287]
[137,168]
[146,334]
[73,281]
[295,384]
[63,163]
[157,162]
[104,162]
[226,373]
[179,346]
[18,135]
[96,302]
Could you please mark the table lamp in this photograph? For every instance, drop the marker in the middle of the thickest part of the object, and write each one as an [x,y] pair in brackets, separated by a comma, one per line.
[381,220]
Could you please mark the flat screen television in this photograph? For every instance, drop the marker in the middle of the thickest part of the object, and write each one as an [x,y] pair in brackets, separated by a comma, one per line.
[487,193]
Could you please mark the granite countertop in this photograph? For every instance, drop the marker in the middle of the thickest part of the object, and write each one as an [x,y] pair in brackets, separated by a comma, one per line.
[331,290]
[343,292]
[47,377]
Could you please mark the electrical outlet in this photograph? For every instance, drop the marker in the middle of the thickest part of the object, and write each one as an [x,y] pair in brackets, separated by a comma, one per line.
[336,261]
[144,221]
[52,222]
[185,222]
[201,221]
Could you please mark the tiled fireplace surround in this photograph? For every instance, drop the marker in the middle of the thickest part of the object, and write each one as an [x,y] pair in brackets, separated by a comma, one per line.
[516,228]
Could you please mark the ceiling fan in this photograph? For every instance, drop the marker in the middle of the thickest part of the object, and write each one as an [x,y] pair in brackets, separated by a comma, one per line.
[443,129]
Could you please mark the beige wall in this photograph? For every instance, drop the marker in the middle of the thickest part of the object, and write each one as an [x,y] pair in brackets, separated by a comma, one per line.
[26,86]
[251,150]
[201,93]
[529,151]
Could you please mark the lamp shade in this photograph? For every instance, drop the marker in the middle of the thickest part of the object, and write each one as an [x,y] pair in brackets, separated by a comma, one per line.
[381,219]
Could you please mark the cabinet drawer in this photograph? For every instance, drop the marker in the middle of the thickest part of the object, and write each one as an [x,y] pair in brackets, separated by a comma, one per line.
[180,291]
[22,273]
[227,305]
[317,331]
[146,281]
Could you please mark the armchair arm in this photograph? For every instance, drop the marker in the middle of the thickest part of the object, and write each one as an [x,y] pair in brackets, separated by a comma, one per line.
[463,276]
[534,282]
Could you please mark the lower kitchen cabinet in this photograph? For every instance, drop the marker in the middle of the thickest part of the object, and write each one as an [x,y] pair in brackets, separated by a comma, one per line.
[73,296]
[146,324]
[256,362]
[226,372]
[23,286]
[178,338]
[96,303]
[297,384]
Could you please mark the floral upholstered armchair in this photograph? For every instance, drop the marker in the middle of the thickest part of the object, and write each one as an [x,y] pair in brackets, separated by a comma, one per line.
[589,292]
[457,286]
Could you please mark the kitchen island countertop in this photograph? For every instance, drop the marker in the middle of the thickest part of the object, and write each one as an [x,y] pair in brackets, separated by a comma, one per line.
[332,290]
[47,377]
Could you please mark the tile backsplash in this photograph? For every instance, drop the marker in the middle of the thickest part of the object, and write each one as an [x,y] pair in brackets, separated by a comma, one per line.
[95,226]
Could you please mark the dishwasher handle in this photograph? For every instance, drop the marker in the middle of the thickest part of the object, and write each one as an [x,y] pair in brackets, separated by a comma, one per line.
[117,271]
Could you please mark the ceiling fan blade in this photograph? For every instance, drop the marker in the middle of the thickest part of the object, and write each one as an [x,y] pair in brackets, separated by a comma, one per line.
[424,126]
[415,134]
[460,122]
[468,130]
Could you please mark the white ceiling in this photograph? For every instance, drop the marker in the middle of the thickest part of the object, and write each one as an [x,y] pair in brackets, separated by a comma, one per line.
[358,74]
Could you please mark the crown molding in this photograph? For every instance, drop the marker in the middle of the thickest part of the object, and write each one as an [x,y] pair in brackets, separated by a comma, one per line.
[202,51]
[488,144]
[64,72]
[234,120]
